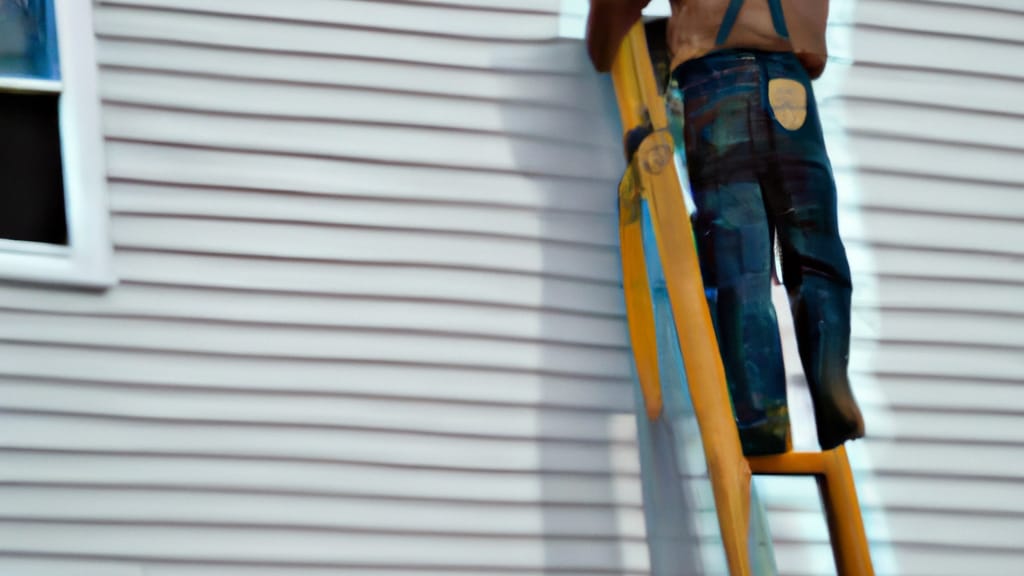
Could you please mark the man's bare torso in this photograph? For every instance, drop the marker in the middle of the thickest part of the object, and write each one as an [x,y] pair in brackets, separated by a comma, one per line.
[694,27]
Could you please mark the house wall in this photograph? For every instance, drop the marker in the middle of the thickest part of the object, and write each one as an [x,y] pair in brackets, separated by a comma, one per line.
[368,320]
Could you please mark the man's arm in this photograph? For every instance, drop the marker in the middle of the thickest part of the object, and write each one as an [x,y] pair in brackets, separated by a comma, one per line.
[607,25]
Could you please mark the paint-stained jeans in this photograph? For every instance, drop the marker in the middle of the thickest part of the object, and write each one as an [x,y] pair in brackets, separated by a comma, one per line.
[759,170]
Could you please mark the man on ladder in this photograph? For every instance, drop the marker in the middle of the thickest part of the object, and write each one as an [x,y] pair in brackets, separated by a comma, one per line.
[759,171]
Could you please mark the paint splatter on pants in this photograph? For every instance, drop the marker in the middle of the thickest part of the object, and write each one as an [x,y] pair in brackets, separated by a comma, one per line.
[759,170]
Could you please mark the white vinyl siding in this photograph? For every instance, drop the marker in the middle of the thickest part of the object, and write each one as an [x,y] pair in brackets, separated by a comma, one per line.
[370,321]
[369,318]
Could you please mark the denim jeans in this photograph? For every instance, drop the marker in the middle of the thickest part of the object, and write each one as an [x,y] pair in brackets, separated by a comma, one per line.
[759,171]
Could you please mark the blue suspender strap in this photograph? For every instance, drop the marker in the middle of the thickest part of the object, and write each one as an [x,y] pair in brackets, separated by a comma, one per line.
[778,18]
[733,12]
[729,21]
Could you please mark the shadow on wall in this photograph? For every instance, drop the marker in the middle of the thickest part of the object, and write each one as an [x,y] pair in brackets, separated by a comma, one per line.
[565,136]
[563,140]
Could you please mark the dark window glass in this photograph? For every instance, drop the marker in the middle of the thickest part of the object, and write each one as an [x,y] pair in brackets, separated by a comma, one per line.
[28,39]
[31,172]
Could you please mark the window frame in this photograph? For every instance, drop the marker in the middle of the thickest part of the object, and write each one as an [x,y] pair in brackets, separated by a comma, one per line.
[87,260]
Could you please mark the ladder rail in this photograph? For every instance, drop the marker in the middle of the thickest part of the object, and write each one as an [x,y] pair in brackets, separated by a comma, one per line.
[659,183]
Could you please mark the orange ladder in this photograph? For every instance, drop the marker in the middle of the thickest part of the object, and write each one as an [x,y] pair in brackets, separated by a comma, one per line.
[652,176]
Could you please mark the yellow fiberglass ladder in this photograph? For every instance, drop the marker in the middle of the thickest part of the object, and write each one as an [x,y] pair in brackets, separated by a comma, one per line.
[652,176]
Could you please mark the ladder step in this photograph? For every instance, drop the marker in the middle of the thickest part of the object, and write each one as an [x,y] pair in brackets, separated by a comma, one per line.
[791,463]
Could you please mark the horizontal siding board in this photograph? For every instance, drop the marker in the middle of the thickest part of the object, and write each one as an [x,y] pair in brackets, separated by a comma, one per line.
[365,245]
[311,512]
[955,296]
[926,458]
[962,127]
[260,476]
[932,231]
[909,155]
[939,88]
[59,566]
[981,429]
[149,162]
[907,192]
[963,54]
[357,105]
[914,528]
[285,408]
[951,496]
[316,548]
[73,432]
[143,301]
[970,330]
[800,559]
[411,281]
[372,143]
[895,260]
[142,199]
[49,566]
[948,395]
[467,21]
[994,5]
[218,372]
[300,70]
[961,18]
[335,40]
[278,342]
[954,360]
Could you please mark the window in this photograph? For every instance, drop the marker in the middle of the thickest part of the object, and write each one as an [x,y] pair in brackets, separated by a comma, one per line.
[53,209]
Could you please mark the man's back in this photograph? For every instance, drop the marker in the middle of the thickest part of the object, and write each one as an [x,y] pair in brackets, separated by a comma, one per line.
[695,26]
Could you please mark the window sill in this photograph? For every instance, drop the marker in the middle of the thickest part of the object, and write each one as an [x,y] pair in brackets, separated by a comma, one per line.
[37,263]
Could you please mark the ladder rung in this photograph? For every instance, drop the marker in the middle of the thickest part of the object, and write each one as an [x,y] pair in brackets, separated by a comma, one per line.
[795,463]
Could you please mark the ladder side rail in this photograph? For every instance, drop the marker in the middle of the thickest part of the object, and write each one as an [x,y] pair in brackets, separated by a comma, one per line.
[727,468]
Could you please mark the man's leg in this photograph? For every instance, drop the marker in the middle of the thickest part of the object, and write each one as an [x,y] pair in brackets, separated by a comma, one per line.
[734,244]
[817,278]
[801,193]
[721,99]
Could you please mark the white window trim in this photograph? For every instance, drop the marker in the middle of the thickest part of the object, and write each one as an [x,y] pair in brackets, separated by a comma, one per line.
[87,260]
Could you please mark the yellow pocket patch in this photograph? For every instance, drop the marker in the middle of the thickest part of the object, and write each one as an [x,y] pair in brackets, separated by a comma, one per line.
[788,99]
